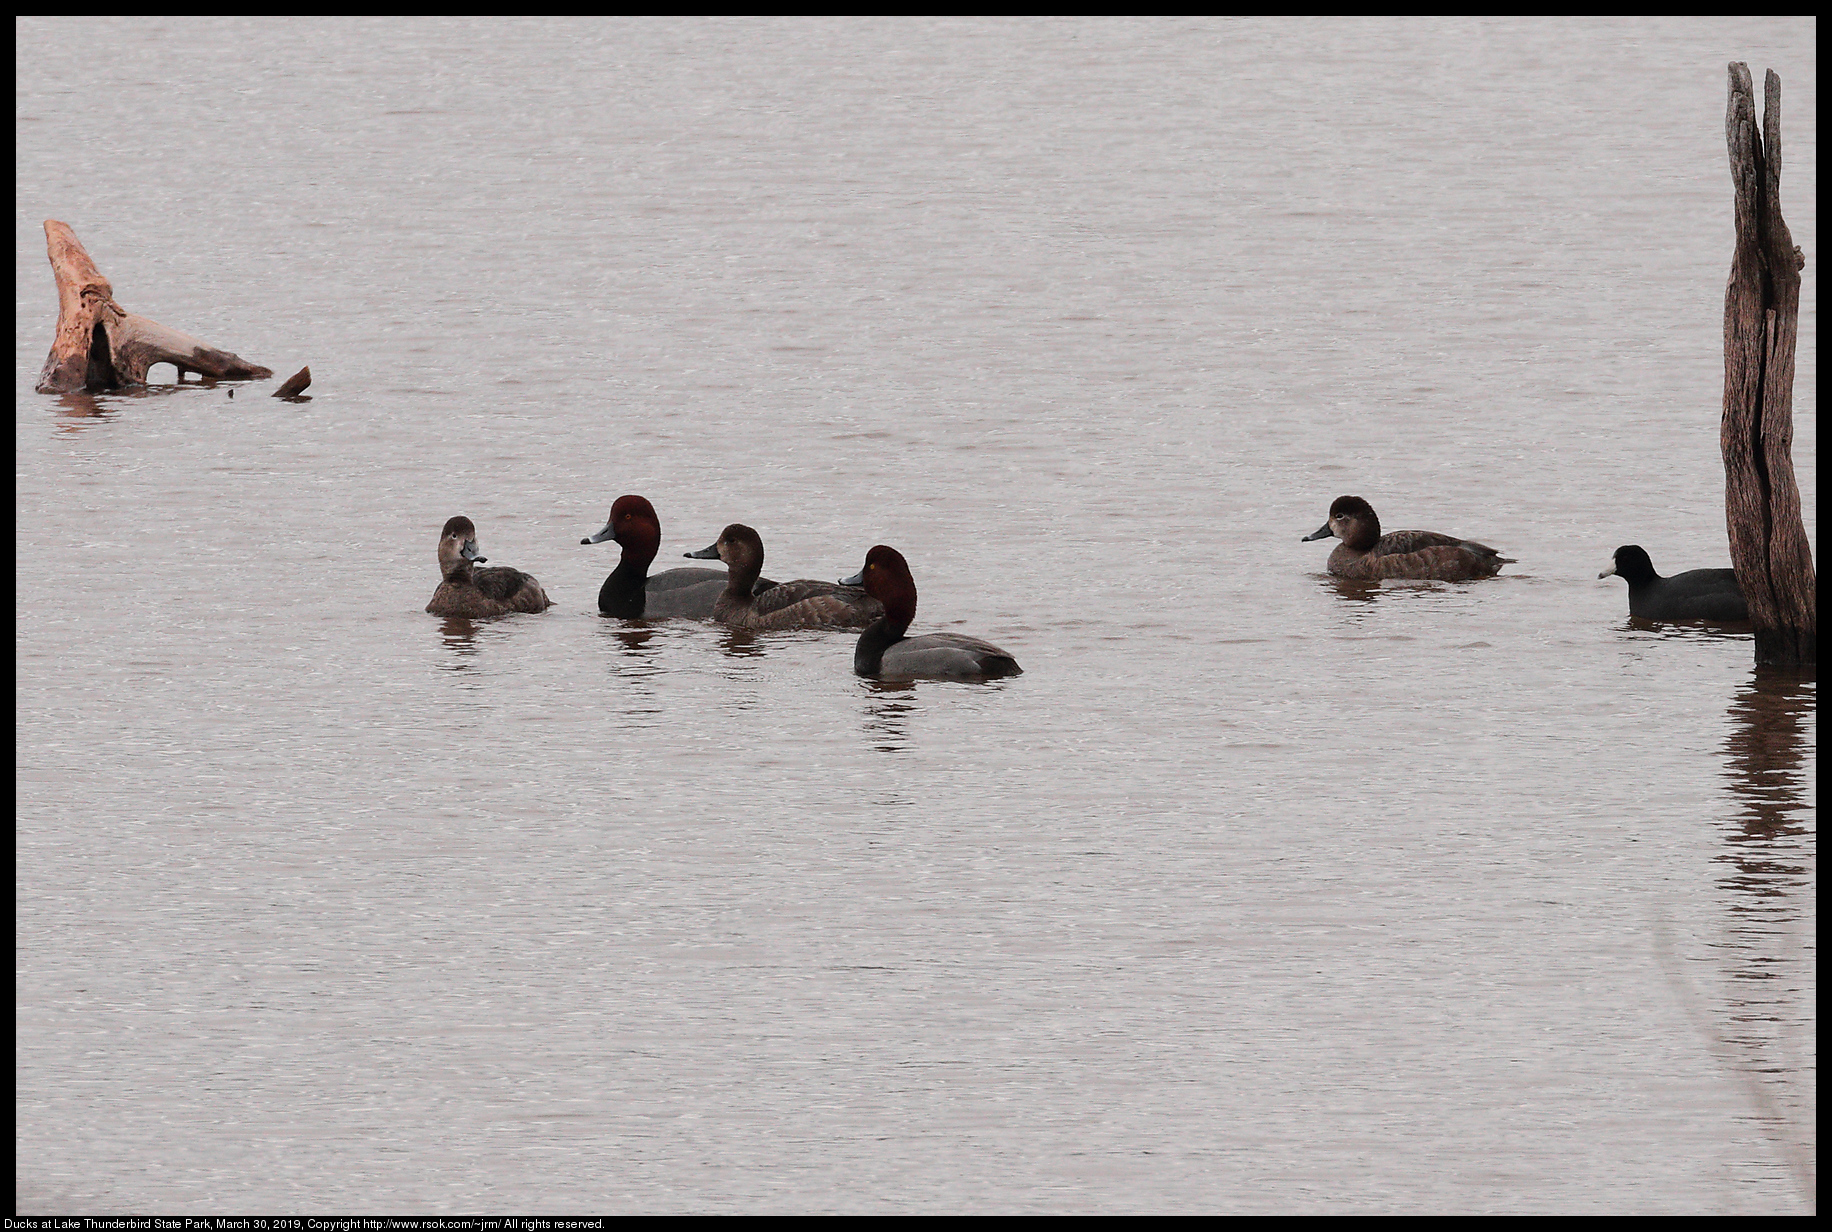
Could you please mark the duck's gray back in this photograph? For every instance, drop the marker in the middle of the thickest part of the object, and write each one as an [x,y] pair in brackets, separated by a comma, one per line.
[946,655]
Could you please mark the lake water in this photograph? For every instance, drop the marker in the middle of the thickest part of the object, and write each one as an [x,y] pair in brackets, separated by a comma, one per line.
[1255,893]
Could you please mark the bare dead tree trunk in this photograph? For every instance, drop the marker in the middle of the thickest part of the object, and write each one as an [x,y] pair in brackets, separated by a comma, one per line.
[1768,540]
[101,345]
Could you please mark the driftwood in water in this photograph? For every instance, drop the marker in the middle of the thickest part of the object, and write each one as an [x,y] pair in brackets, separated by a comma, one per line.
[295,384]
[101,345]
[1768,541]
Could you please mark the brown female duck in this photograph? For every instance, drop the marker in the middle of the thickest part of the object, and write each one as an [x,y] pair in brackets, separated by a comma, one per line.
[801,604]
[472,592]
[1365,553]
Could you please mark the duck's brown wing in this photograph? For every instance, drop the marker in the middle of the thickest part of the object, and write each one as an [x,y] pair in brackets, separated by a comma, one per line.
[1457,561]
[813,604]
[456,599]
[511,586]
[502,584]
[1400,542]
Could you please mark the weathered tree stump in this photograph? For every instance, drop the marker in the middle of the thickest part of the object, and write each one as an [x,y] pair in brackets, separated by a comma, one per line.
[101,345]
[1768,540]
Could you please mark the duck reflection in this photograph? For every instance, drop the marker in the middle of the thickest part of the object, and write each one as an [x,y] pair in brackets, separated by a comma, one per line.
[1353,590]
[740,643]
[635,643]
[637,638]
[888,707]
[1363,599]
[460,637]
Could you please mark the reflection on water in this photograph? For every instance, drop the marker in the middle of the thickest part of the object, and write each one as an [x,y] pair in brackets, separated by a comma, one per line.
[887,713]
[1768,890]
[82,408]
[1354,590]
[1765,750]
[740,642]
[1363,594]
[638,661]
[632,638]
[460,637]
[1682,630]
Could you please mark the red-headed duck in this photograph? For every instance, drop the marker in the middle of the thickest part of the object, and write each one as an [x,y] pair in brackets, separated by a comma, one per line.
[1365,553]
[883,651]
[801,604]
[1697,594]
[467,591]
[630,593]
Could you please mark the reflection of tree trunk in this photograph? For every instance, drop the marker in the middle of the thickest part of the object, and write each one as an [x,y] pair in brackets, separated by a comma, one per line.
[101,345]
[1766,750]
[1763,1026]
[1768,541]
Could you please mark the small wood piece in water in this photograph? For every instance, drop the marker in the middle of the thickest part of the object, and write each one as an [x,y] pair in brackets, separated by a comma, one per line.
[295,384]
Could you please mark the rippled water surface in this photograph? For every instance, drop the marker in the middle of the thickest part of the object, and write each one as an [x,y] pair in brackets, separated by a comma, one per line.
[1254,893]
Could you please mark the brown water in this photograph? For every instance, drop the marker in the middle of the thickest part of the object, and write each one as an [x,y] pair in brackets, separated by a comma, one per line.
[1255,893]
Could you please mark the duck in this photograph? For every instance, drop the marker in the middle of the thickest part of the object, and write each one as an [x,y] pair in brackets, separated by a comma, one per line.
[1697,594]
[801,604]
[630,593]
[885,653]
[472,592]
[1365,553]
